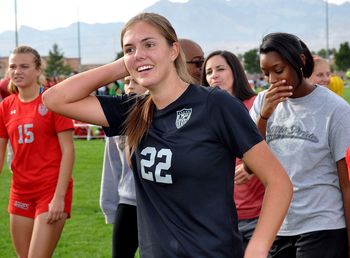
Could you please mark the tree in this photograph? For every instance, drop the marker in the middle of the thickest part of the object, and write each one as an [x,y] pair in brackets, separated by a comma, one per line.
[322,52]
[251,61]
[342,57]
[119,55]
[55,63]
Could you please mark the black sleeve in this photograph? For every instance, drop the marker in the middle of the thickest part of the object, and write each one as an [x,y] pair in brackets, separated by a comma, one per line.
[232,123]
[116,109]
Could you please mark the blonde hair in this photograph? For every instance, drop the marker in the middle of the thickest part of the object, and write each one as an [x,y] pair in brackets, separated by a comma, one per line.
[12,88]
[319,60]
[140,118]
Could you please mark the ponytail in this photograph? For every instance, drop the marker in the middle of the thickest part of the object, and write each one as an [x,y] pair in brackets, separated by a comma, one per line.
[138,122]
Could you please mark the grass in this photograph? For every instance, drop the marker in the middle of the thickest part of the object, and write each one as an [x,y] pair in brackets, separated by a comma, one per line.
[347,94]
[85,234]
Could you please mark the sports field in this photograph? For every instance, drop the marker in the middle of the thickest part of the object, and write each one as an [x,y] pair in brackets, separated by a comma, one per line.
[347,92]
[85,234]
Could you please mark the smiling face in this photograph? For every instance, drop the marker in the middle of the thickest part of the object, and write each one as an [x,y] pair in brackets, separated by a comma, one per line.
[321,74]
[23,71]
[219,73]
[147,55]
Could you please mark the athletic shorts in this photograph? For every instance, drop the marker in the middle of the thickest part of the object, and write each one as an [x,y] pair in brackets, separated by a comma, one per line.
[318,244]
[31,206]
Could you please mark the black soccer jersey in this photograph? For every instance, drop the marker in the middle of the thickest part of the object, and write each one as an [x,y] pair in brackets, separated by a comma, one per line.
[184,173]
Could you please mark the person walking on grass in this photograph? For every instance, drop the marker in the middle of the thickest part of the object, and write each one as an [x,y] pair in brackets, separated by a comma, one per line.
[183,162]
[42,141]
[307,127]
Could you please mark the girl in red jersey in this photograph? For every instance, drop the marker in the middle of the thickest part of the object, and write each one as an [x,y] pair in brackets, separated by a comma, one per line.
[41,190]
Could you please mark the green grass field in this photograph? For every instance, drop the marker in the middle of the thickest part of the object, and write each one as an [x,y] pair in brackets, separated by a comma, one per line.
[347,93]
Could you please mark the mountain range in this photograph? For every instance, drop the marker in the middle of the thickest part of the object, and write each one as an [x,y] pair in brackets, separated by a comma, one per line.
[236,25]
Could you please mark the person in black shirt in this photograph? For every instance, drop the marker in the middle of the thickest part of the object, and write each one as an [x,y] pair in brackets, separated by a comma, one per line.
[183,140]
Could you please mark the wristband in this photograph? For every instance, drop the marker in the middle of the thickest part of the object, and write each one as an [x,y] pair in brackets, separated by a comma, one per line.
[263,117]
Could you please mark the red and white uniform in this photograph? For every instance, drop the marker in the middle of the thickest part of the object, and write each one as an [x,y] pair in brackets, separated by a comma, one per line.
[32,130]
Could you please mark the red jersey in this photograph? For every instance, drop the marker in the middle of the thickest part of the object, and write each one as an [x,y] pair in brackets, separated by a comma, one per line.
[32,130]
[347,158]
[3,87]
[249,196]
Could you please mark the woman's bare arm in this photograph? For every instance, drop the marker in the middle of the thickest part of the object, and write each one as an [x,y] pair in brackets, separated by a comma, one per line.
[72,98]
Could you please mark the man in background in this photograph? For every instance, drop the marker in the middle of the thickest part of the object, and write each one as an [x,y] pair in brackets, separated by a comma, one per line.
[194,58]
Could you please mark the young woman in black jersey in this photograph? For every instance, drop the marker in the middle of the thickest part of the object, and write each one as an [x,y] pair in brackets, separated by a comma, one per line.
[183,140]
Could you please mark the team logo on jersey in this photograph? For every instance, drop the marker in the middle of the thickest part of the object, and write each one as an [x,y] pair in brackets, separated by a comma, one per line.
[182,117]
[42,109]
[13,112]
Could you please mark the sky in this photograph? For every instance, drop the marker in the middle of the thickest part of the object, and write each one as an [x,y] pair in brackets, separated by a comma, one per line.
[51,14]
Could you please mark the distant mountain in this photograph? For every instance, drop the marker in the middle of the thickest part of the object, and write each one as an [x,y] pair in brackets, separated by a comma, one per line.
[98,41]
[236,25]
[239,25]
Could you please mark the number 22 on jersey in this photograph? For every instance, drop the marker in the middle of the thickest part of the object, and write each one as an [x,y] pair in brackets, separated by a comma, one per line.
[150,154]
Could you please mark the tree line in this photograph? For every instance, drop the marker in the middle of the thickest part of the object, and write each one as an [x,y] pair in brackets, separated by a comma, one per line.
[341,58]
